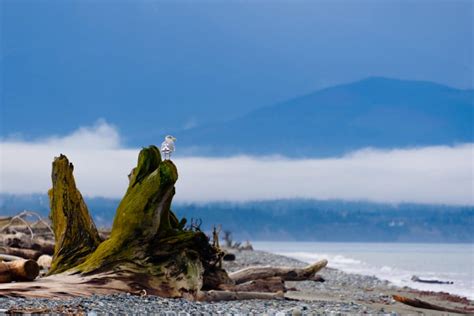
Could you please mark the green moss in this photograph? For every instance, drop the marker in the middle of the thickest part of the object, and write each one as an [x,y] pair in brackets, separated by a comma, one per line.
[148,161]
[142,214]
[147,241]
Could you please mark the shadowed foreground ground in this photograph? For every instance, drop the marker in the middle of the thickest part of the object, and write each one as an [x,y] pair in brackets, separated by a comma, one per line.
[342,293]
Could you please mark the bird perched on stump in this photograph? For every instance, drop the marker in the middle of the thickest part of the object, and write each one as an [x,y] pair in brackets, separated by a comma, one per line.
[167,147]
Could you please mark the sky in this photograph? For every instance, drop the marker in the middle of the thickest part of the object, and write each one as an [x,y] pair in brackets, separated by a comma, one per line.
[91,79]
[65,64]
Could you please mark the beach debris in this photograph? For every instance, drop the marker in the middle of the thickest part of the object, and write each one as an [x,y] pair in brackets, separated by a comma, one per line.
[272,284]
[26,235]
[229,257]
[422,304]
[215,244]
[18,270]
[286,273]
[246,246]
[443,296]
[317,278]
[23,253]
[44,262]
[9,258]
[230,244]
[21,240]
[40,227]
[417,279]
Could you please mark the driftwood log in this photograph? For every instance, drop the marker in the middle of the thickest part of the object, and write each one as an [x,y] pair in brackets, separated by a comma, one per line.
[148,250]
[23,253]
[24,241]
[272,285]
[425,305]
[18,270]
[287,274]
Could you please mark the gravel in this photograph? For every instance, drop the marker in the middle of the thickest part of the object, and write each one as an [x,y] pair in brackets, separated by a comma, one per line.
[129,304]
[348,293]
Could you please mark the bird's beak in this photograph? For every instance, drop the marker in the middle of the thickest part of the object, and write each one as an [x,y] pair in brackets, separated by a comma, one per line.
[174,139]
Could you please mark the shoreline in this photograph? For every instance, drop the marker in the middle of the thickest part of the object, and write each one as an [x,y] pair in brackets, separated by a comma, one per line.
[341,294]
[369,291]
[397,263]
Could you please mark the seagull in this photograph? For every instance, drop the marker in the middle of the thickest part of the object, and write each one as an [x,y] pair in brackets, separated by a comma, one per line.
[167,147]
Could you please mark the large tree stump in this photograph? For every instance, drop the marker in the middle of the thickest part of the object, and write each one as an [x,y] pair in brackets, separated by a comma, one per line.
[148,247]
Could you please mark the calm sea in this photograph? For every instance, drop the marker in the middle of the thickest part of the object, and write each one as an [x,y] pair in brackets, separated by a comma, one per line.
[394,262]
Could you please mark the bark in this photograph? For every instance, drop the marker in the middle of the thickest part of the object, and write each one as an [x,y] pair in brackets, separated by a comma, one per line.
[286,273]
[18,270]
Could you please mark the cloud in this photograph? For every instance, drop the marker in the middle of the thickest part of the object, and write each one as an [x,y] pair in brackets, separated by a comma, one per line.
[437,174]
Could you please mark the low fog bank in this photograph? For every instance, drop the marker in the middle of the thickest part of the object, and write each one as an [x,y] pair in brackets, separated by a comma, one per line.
[433,175]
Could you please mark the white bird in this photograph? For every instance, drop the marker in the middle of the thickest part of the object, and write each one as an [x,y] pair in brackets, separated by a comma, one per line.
[167,147]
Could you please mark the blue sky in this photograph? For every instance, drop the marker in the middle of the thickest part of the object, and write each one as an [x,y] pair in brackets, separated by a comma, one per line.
[65,64]
[92,78]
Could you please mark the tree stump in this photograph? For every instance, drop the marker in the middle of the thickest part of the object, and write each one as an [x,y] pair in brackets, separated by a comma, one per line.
[148,248]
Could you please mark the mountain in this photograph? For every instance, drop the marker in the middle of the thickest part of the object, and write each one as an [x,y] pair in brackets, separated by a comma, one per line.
[304,220]
[375,112]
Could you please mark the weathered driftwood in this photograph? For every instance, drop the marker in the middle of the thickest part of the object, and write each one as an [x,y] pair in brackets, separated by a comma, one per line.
[422,304]
[66,284]
[9,257]
[23,253]
[272,285]
[18,270]
[417,279]
[24,241]
[286,273]
[22,223]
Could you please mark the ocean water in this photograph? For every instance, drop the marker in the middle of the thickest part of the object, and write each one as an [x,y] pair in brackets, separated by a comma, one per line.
[394,262]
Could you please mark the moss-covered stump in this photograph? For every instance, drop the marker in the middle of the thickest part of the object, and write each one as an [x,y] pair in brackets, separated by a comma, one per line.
[74,231]
[148,248]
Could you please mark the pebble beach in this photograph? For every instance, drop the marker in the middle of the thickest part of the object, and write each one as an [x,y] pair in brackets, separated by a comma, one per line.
[340,294]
